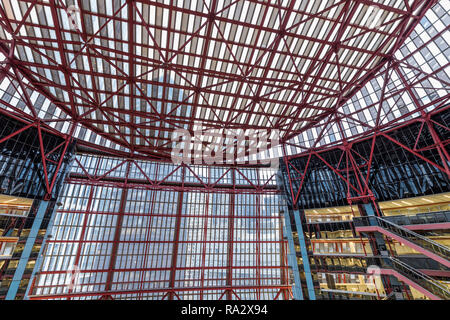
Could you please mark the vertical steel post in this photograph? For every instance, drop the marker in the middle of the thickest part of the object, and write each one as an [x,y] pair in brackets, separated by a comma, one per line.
[176,239]
[304,254]
[23,261]
[292,257]
[38,263]
[117,231]
[229,281]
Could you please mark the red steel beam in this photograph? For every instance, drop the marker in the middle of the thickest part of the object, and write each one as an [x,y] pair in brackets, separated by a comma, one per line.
[155,290]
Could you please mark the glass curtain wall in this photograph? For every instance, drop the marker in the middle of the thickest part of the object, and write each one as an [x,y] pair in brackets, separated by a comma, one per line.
[121,238]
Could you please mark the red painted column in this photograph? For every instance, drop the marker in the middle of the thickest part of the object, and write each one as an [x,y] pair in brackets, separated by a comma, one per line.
[229,281]
[118,229]
[283,259]
[258,249]
[176,239]
[205,234]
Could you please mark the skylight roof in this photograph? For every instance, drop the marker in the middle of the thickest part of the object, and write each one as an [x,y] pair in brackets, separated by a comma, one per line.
[128,74]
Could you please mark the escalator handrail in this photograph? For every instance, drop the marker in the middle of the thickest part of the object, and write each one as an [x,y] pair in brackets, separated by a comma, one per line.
[416,235]
[421,275]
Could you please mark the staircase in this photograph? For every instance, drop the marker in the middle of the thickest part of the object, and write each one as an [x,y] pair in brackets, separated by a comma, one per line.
[419,243]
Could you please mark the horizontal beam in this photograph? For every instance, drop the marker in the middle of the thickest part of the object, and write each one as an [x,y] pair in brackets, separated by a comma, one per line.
[156,290]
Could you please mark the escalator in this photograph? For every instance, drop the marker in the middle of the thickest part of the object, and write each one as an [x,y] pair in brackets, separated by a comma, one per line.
[419,243]
[389,266]
[414,278]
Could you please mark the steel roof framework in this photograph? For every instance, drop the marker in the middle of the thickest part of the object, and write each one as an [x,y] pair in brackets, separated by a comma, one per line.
[134,71]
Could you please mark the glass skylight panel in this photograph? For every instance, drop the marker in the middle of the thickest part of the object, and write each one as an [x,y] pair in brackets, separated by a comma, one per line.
[263,33]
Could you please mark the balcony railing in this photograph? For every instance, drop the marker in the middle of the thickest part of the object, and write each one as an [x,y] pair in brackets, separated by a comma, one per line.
[421,218]
[14,211]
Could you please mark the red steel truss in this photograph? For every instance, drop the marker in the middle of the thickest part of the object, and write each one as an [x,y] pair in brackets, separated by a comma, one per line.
[199,185]
[347,162]
[55,155]
[258,92]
